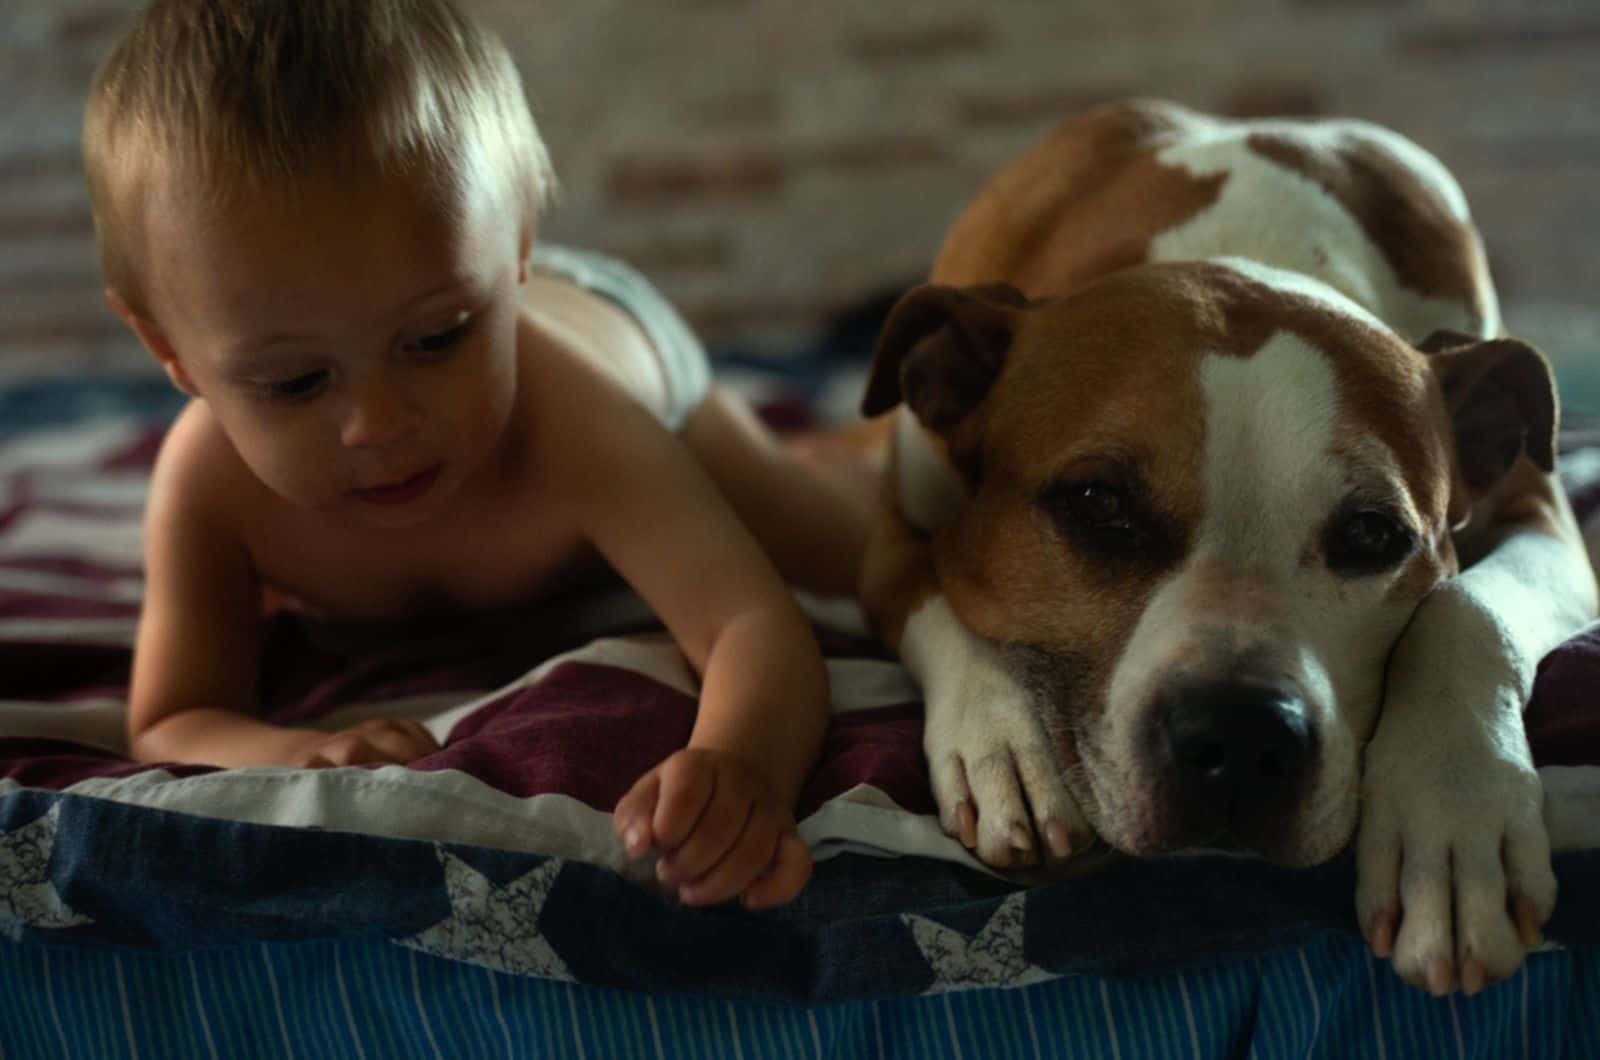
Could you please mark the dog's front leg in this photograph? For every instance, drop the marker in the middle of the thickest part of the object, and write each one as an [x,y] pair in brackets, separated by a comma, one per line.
[994,776]
[1453,855]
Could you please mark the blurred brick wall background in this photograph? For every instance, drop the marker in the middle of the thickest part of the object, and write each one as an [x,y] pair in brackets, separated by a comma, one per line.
[770,161]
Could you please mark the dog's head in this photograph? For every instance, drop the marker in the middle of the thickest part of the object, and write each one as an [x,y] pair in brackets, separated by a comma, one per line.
[1197,504]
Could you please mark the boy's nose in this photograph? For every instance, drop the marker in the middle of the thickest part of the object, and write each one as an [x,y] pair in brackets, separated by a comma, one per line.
[376,416]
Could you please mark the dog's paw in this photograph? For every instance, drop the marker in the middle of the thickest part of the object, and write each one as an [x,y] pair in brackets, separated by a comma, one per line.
[1455,880]
[995,778]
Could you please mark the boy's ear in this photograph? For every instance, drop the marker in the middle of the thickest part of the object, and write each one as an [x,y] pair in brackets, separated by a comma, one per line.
[154,341]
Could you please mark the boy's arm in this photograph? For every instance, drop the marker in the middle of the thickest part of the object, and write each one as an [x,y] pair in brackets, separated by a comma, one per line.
[196,658]
[195,661]
[657,517]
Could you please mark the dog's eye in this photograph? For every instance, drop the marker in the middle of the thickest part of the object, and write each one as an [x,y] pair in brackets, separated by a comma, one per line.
[1100,505]
[1094,505]
[1366,542]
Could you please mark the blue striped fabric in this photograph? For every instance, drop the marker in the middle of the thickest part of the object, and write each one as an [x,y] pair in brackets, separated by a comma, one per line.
[371,999]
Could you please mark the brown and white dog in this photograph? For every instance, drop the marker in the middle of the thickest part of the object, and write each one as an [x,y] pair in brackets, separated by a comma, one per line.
[1222,516]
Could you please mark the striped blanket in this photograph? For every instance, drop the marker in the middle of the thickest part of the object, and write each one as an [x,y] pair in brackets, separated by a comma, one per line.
[498,850]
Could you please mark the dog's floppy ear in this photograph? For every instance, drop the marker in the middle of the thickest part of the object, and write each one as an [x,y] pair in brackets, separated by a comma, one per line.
[1502,401]
[940,351]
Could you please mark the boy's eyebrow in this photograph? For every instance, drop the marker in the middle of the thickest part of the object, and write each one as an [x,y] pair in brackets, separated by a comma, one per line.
[243,352]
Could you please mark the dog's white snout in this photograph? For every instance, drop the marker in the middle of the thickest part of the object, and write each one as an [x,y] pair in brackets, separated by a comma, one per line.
[1233,751]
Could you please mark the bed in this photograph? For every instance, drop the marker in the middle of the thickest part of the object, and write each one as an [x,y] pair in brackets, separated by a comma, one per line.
[475,902]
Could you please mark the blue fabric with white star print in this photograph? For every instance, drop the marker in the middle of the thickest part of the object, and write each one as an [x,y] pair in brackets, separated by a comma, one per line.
[206,934]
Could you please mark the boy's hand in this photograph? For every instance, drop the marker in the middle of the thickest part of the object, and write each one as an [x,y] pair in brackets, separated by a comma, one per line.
[379,740]
[721,830]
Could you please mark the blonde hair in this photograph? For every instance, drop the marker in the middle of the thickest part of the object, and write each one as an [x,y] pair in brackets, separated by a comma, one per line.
[242,95]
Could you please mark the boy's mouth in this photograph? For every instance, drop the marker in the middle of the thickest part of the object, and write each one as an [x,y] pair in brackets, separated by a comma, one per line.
[401,492]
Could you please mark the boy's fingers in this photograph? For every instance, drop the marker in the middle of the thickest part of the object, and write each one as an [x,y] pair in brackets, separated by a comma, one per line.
[750,855]
[393,741]
[633,814]
[714,837]
[791,868]
[686,788]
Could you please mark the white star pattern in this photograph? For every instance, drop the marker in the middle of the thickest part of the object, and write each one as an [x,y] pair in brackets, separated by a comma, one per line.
[496,927]
[27,897]
[992,957]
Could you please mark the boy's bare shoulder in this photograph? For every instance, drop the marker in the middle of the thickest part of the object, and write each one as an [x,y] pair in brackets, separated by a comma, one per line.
[200,473]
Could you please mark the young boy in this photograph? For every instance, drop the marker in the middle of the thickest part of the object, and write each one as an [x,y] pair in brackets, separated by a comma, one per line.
[319,218]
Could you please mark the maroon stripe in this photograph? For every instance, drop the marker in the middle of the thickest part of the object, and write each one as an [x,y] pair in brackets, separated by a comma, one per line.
[881,747]
[138,455]
[58,764]
[1563,717]
[17,604]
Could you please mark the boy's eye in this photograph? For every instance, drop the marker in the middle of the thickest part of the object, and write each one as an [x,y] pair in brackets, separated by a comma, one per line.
[442,341]
[299,388]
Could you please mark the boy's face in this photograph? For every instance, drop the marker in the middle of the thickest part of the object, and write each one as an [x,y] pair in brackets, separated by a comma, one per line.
[357,345]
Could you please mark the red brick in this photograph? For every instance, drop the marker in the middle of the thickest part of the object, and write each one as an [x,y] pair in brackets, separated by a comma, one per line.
[18,223]
[1046,104]
[653,180]
[1502,33]
[1268,96]
[38,167]
[734,317]
[687,254]
[94,25]
[740,110]
[884,154]
[934,40]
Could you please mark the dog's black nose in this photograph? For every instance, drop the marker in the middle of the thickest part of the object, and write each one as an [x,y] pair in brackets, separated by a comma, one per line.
[1236,747]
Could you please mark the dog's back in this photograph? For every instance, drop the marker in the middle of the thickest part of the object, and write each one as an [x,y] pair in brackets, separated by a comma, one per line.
[1346,203]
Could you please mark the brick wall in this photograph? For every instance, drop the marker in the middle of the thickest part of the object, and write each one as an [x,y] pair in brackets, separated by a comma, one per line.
[768,161]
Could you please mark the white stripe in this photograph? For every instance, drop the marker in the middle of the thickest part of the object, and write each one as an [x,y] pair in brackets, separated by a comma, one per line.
[1455,1024]
[1260,977]
[1033,1031]
[277,1001]
[733,1032]
[577,1033]
[1525,1028]
[45,583]
[1377,1017]
[98,722]
[655,1025]
[116,632]
[127,1014]
[117,495]
[50,998]
[877,1029]
[499,1013]
[950,1021]
[422,1013]
[344,999]
[72,447]
[1316,1004]
[200,1008]
[816,1032]
[1111,1023]
[1188,1011]
[96,541]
